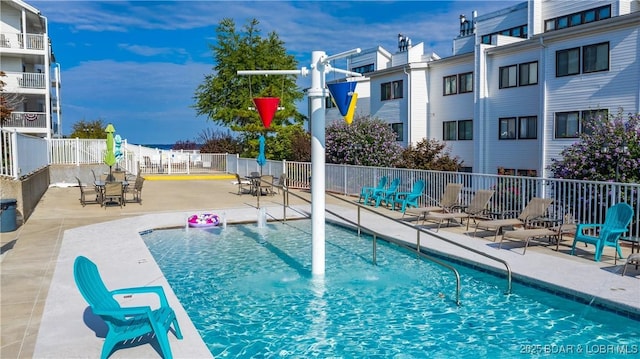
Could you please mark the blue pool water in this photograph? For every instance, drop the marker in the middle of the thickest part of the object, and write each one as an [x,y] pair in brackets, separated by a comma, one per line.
[250,293]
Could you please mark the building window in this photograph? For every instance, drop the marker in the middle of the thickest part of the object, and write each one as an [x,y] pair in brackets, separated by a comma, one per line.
[391,90]
[562,22]
[550,25]
[595,58]
[450,85]
[465,130]
[604,12]
[527,173]
[518,31]
[589,16]
[466,82]
[528,127]
[398,129]
[578,18]
[449,131]
[568,62]
[363,69]
[508,76]
[529,73]
[567,124]
[575,19]
[588,116]
[506,171]
[507,128]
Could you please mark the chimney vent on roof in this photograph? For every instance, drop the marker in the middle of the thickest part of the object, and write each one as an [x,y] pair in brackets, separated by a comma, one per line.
[404,43]
[466,26]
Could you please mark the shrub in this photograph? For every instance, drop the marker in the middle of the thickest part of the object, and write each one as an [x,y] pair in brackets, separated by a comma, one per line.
[366,142]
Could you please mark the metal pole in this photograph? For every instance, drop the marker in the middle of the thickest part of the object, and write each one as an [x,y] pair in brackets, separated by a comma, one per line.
[316,96]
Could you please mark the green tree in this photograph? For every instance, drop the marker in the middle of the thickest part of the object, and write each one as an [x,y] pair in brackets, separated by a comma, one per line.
[292,143]
[226,97]
[184,145]
[88,129]
[608,150]
[366,142]
[219,142]
[429,154]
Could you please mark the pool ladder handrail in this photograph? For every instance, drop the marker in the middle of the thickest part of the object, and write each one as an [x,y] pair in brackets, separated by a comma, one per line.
[375,234]
[419,230]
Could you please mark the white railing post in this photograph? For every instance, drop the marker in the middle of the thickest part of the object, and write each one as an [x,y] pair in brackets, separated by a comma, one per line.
[15,168]
[77,151]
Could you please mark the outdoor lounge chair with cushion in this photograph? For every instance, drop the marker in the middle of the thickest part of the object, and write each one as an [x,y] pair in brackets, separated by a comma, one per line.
[447,202]
[536,208]
[366,192]
[387,194]
[407,199]
[616,221]
[567,226]
[475,210]
[528,234]
[125,323]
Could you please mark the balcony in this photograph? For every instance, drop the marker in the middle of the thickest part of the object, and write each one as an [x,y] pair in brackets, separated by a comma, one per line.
[17,41]
[27,120]
[14,81]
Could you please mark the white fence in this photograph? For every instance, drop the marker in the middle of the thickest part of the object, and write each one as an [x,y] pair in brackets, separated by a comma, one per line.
[136,158]
[585,201]
[21,155]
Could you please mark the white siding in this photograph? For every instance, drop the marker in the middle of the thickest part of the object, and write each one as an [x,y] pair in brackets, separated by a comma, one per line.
[390,111]
[463,45]
[417,127]
[424,108]
[511,102]
[553,8]
[457,107]
[613,89]
[502,20]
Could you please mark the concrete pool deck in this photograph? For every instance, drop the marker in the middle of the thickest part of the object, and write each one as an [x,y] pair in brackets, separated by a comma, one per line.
[43,314]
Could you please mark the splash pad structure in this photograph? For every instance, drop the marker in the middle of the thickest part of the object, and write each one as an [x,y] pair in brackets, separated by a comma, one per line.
[320,66]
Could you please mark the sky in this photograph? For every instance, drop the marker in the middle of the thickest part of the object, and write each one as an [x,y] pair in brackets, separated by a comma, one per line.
[137,64]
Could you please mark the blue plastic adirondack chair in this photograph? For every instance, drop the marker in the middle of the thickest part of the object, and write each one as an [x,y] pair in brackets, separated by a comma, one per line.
[404,199]
[366,193]
[387,194]
[125,323]
[615,224]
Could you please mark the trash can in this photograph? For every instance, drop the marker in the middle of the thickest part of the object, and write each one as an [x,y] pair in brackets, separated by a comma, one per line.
[8,214]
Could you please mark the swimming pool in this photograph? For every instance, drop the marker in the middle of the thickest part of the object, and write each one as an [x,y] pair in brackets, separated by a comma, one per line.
[250,293]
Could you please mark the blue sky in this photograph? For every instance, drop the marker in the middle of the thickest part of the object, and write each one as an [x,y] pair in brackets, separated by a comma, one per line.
[137,64]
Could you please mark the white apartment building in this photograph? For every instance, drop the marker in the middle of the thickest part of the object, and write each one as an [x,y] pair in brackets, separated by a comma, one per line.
[517,86]
[32,77]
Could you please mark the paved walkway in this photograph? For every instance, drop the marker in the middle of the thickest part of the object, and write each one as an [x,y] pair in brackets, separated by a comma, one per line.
[43,315]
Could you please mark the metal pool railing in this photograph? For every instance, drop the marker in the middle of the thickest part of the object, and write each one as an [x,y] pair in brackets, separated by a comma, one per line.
[375,236]
[420,230]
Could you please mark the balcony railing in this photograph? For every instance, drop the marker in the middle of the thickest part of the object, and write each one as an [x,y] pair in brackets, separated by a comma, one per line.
[17,41]
[24,80]
[27,119]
